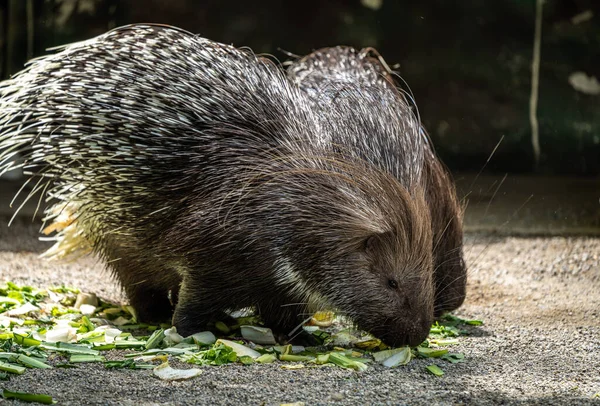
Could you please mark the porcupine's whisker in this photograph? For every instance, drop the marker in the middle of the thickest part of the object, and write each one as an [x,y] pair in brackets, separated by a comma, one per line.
[295,304]
[292,334]
[458,278]
[494,195]
[486,162]
[474,262]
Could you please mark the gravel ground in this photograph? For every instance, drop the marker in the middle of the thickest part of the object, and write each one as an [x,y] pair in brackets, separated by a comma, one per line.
[539,298]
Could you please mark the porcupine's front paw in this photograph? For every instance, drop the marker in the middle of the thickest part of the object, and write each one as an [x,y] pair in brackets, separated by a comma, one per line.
[151,306]
[188,321]
[197,307]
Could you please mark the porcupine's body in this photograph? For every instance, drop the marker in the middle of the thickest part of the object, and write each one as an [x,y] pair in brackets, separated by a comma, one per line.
[195,167]
[319,74]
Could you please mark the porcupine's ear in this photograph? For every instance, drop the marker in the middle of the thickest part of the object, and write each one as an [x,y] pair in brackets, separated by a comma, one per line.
[372,243]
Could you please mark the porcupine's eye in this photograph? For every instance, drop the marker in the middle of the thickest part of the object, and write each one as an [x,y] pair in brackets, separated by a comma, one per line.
[393,284]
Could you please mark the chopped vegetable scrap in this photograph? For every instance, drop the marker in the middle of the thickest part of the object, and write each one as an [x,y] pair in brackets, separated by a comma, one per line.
[63,327]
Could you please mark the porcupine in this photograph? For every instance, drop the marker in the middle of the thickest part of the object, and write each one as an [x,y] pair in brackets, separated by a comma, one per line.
[196,168]
[315,74]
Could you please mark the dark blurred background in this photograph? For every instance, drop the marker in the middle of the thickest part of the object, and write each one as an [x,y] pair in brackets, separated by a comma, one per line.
[467,62]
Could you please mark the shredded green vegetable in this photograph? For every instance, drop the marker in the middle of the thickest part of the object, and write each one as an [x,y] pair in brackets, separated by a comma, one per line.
[434,369]
[42,329]
[28,397]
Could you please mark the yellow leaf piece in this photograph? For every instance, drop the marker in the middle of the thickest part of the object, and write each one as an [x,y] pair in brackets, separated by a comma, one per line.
[322,319]
[293,366]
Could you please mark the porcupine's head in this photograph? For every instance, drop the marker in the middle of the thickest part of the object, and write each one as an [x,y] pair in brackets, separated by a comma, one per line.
[354,239]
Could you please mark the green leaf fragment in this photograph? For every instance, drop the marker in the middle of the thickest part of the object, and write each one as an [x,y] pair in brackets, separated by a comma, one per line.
[34,352]
[93,337]
[239,349]
[155,339]
[380,356]
[444,341]
[444,330]
[124,344]
[266,359]
[64,289]
[282,349]
[25,341]
[322,336]
[370,344]
[77,358]
[434,369]
[295,358]
[32,362]
[157,351]
[343,361]
[222,327]
[12,368]
[8,356]
[85,321]
[220,354]
[246,360]
[69,348]
[293,366]
[431,352]
[359,359]
[172,337]
[11,301]
[344,338]
[453,357]
[453,320]
[186,346]
[126,364]
[36,322]
[104,347]
[322,359]
[28,397]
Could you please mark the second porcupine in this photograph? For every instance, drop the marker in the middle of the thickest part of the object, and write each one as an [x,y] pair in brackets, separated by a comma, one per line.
[196,167]
[327,69]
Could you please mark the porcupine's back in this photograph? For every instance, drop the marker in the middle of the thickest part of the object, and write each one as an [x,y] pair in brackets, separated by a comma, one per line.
[325,75]
[119,127]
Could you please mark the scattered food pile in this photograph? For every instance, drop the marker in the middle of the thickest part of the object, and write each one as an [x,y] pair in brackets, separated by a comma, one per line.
[60,327]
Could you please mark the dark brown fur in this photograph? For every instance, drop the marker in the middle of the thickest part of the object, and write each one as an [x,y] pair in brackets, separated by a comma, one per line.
[450,272]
